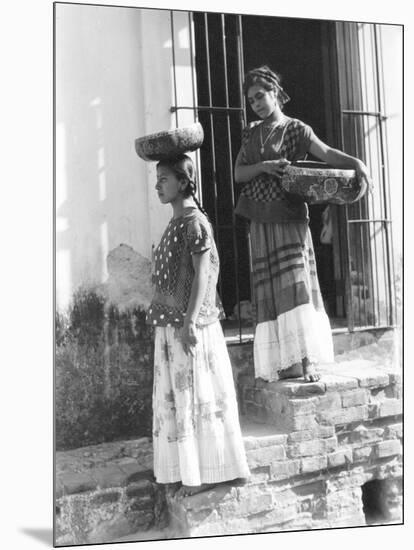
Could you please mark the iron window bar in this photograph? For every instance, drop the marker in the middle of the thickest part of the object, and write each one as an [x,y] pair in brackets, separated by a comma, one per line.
[230,158]
[377,114]
[381,118]
[208,108]
[369,221]
[175,108]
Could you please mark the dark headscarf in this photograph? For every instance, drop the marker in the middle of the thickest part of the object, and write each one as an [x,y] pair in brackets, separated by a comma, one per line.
[265,77]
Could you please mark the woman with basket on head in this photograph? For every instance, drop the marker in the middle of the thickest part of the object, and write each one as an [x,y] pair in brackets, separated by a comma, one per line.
[196,431]
[293,333]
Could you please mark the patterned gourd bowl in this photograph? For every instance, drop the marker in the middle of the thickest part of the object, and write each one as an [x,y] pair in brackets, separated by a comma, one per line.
[170,144]
[317,183]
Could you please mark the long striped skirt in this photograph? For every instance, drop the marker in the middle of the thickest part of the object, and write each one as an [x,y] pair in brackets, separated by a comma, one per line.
[292,326]
[196,430]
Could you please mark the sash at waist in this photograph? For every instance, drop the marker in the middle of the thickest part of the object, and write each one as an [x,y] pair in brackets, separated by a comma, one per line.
[279,211]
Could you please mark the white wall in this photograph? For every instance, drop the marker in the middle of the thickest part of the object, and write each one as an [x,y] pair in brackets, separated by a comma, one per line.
[113,83]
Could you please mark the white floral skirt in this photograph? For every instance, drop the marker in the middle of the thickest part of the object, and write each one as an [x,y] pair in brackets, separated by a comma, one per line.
[196,429]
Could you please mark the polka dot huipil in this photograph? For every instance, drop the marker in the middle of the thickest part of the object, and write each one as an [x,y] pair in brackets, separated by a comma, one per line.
[173,271]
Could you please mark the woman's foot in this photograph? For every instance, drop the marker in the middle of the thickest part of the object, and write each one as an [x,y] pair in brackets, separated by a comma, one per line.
[295,371]
[310,374]
[190,490]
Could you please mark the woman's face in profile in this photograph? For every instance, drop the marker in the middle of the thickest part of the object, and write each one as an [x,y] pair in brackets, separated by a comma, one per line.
[262,101]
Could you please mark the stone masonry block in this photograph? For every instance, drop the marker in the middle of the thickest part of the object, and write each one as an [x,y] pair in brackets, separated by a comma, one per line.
[306,448]
[228,509]
[301,405]
[338,383]
[254,503]
[303,435]
[284,469]
[388,448]
[343,502]
[111,476]
[314,489]
[354,398]
[365,372]
[141,488]
[331,444]
[309,389]
[313,464]
[362,454]
[317,432]
[326,431]
[331,401]
[107,497]
[344,416]
[265,455]
[204,516]
[77,483]
[134,472]
[207,499]
[256,442]
[339,458]
[391,468]
[319,507]
[298,423]
[394,431]
[364,435]
[273,519]
[142,503]
[347,478]
[259,475]
[374,377]
[390,407]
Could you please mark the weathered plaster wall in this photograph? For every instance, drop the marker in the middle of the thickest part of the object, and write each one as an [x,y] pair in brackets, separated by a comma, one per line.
[110,90]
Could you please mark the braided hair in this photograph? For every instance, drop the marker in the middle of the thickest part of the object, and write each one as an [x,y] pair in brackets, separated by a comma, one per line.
[267,78]
[183,168]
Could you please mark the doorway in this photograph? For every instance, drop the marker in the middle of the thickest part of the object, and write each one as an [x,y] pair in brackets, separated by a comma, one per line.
[227,46]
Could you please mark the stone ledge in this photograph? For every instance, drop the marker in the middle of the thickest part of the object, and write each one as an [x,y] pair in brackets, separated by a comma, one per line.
[310,435]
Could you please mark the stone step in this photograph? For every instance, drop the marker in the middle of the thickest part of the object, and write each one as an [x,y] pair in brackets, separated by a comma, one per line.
[353,391]
[310,449]
[291,487]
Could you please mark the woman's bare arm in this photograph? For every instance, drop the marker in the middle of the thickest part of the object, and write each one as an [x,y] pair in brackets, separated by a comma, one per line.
[339,159]
[198,290]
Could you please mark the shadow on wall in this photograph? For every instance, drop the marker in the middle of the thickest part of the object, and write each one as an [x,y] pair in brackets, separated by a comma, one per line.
[100,109]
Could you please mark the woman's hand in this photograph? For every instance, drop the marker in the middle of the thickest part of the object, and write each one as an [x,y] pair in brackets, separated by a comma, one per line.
[188,337]
[275,167]
[362,174]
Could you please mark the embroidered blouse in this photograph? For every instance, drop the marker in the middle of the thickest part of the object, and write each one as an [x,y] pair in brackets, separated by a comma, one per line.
[263,199]
[173,271]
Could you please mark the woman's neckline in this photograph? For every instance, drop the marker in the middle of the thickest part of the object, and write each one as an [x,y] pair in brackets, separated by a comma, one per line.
[185,211]
[278,123]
